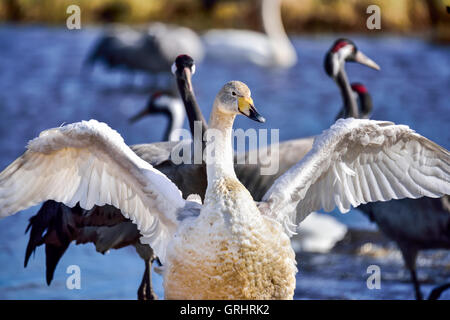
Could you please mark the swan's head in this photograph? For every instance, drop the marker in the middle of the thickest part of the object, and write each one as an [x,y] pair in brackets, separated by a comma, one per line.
[345,50]
[235,98]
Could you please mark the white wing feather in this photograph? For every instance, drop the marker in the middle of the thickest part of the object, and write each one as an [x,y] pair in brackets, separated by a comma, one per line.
[89,163]
[355,162]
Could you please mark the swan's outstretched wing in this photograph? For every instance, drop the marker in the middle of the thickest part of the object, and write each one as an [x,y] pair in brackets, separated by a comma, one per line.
[89,163]
[359,161]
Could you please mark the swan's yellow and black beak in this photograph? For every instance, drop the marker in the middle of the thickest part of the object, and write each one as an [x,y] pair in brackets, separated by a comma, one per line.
[246,107]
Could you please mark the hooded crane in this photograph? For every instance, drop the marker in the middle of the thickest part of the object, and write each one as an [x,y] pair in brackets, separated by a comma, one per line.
[229,247]
[125,233]
[152,50]
[365,102]
[341,51]
[169,105]
[414,224]
[270,49]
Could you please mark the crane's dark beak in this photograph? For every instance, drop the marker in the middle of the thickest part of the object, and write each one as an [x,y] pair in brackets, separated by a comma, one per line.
[246,107]
[363,59]
[139,116]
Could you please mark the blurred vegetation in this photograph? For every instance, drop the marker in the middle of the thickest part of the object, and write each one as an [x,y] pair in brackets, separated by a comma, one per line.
[298,15]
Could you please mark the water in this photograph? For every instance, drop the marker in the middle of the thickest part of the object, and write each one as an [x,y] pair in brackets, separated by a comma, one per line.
[42,87]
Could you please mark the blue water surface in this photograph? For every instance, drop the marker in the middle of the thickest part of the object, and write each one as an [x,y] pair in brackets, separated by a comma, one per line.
[42,85]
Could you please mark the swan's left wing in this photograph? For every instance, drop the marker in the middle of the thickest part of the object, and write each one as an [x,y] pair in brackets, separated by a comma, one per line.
[359,161]
[90,164]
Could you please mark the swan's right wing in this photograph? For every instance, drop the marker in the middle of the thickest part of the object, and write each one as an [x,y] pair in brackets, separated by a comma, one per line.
[89,163]
[359,161]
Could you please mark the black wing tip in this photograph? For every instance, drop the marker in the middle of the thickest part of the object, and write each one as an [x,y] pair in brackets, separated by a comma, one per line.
[53,255]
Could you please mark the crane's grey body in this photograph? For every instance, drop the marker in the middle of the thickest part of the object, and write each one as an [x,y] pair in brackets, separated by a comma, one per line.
[152,50]
[415,224]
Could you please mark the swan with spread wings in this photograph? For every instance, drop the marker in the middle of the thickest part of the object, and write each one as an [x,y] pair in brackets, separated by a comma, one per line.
[229,247]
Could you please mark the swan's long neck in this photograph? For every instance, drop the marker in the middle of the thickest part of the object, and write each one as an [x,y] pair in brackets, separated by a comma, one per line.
[271,19]
[350,106]
[219,150]
[225,195]
[273,26]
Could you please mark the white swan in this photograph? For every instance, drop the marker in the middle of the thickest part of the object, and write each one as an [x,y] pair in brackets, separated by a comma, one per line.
[231,246]
[272,49]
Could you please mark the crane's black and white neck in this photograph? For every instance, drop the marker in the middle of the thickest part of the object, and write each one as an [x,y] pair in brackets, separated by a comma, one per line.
[169,105]
[364,98]
[345,50]
[183,68]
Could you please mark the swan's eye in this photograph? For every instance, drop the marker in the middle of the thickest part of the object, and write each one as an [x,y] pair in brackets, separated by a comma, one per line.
[233,93]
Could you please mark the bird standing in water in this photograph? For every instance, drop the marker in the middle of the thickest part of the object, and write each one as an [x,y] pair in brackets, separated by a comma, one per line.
[229,247]
[124,233]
